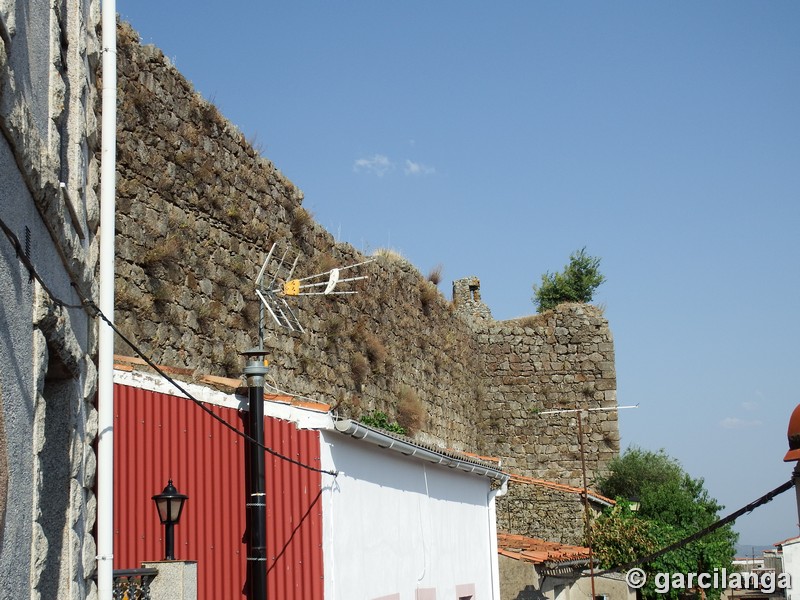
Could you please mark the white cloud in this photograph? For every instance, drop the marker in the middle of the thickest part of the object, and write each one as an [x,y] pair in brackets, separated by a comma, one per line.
[750,405]
[413,168]
[377,165]
[736,423]
[380,164]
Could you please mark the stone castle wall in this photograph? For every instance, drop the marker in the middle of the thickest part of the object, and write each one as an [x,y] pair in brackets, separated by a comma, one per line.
[543,513]
[558,361]
[198,210]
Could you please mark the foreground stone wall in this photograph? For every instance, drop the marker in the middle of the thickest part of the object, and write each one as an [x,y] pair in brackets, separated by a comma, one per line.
[49,210]
[198,210]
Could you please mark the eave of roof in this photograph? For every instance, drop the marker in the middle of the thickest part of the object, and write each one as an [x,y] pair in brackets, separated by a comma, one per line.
[131,363]
[561,487]
[790,540]
[223,391]
[428,452]
[219,391]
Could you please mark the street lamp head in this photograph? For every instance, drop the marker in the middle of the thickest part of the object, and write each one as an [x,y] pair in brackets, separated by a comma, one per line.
[254,353]
[794,436]
[256,366]
[170,504]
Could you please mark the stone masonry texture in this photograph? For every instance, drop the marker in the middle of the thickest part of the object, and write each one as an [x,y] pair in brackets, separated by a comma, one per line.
[198,210]
[48,176]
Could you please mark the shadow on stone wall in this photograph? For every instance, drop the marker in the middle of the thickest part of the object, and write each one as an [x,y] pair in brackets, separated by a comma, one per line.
[3,470]
[530,593]
[59,397]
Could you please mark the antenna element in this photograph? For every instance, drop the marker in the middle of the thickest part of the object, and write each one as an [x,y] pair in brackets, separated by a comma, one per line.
[275,283]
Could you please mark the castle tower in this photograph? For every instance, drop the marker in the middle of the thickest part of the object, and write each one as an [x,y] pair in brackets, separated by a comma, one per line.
[467,298]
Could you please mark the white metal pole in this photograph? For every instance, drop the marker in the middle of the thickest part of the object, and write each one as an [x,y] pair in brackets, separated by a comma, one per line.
[105,392]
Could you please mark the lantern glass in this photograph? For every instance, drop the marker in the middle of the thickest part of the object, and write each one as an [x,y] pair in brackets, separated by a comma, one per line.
[170,504]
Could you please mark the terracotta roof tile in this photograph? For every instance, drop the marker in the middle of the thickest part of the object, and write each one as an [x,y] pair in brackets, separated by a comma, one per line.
[786,541]
[537,551]
[561,487]
[131,363]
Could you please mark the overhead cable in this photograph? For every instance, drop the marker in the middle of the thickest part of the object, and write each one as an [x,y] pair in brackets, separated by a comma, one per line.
[94,311]
[23,256]
[703,532]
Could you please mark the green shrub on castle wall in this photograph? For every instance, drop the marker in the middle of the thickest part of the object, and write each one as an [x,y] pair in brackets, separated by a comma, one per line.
[577,283]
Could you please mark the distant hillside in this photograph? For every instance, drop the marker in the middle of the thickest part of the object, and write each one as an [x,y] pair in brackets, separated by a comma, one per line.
[748,551]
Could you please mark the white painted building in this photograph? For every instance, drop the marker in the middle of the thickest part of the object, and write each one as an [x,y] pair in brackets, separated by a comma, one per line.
[401,520]
[791,565]
[404,522]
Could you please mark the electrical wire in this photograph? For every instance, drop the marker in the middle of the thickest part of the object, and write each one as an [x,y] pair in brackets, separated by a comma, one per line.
[94,311]
[290,394]
[703,532]
[21,255]
[202,405]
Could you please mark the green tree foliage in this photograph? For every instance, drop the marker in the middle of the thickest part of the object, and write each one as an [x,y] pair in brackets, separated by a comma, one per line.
[576,283]
[673,505]
[619,536]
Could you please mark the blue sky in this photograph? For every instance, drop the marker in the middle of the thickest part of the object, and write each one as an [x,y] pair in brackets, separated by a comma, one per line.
[497,138]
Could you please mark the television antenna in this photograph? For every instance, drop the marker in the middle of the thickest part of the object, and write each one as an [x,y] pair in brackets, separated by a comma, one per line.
[587,521]
[275,283]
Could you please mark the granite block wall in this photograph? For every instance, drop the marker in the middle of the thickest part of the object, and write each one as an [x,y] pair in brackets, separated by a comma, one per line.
[198,211]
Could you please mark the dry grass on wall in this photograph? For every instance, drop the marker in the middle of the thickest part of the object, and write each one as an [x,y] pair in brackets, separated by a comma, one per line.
[435,275]
[184,173]
[411,414]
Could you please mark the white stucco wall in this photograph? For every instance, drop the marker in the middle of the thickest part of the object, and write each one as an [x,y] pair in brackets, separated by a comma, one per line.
[394,525]
[791,565]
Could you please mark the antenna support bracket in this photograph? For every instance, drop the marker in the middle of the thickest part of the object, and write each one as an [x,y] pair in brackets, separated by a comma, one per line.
[292,288]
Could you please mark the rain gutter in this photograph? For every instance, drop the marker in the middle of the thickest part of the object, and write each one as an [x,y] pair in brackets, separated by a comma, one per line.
[360,431]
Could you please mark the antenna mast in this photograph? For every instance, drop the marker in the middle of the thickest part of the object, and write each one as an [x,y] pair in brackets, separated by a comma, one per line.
[273,285]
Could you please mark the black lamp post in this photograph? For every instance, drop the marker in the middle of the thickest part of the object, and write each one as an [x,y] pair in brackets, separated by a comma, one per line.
[170,505]
[255,370]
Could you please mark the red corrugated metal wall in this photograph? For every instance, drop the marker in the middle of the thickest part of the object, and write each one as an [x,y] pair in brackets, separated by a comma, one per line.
[158,437]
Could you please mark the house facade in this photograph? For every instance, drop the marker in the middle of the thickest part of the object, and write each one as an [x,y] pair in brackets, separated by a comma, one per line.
[790,549]
[403,521]
[355,513]
[48,250]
